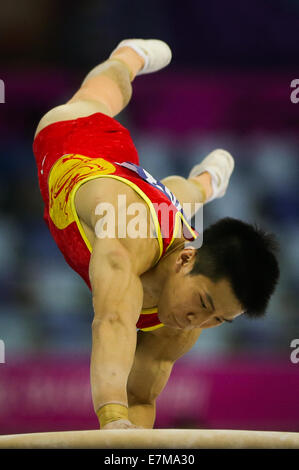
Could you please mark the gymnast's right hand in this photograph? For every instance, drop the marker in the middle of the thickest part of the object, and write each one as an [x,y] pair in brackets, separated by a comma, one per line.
[121,424]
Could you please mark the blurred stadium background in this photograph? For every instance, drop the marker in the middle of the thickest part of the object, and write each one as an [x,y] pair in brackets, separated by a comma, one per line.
[228,86]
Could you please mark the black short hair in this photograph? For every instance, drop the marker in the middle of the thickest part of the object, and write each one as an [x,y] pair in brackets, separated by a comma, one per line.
[243,254]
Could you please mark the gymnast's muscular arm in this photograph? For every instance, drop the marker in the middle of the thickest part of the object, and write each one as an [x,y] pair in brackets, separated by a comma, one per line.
[117,296]
[155,356]
[117,300]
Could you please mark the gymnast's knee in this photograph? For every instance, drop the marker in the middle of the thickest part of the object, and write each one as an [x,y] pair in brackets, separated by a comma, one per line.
[120,74]
[111,87]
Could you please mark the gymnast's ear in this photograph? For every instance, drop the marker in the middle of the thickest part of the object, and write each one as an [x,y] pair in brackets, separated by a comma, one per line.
[185,259]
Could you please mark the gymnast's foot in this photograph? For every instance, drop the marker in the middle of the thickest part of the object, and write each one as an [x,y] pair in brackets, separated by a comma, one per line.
[219,164]
[148,55]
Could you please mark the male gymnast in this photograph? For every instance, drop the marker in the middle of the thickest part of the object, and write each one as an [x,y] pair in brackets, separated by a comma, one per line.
[152,295]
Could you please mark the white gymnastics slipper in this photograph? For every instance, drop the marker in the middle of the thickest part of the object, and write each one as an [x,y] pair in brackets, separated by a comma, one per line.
[157,54]
[220,165]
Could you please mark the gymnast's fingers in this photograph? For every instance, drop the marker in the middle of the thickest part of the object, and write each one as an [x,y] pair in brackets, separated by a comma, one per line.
[121,424]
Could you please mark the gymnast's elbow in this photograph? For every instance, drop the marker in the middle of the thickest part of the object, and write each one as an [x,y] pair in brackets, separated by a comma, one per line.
[113,317]
[106,318]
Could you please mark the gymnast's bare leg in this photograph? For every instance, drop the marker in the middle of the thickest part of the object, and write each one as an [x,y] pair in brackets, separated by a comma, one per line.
[108,89]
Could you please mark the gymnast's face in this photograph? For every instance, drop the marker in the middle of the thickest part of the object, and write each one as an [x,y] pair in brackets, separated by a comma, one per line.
[188,302]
